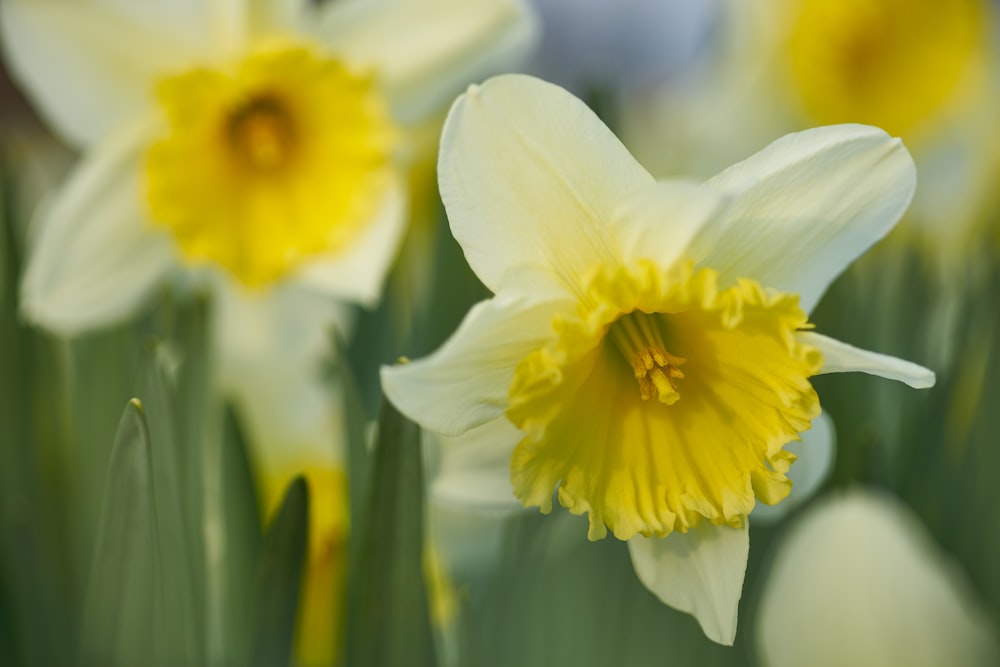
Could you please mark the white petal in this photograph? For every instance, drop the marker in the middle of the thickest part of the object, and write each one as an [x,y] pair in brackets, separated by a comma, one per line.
[807,206]
[95,258]
[815,454]
[358,272]
[473,471]
[465,382]
[530,176]
[858,581]
[90,66]
[426,51]
[266,16]
[271,347]
[840,357]
[659,222]
[699,572]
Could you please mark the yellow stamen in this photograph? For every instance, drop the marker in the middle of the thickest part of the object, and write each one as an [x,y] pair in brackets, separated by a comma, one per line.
[641,344]
[261,133]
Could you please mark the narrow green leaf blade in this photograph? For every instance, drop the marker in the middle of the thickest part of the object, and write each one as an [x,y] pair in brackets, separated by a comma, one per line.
[390,621]
[240,543]
[126,578]
[279,578]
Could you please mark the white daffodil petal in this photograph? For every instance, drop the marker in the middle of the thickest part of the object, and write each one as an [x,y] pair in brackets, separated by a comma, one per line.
[94,258]
[88,66]
[530,176]
[474,469]
[427,50]
[357,273]
[660,221]
[279,15]
[858,581]
[465,382]
[699,572]
[839,357]
[807,206]
[815,454]
[271,347]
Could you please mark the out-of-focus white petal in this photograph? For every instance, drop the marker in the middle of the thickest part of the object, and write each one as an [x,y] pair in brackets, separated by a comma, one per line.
[807,206]
[465,382]
[840,357]
[473,471]
[94,258]
[858,581]
[699,572]
[91,65]
[357,273]
[269,16]
[660,221]
[426,51]
[530,176]
[816,454]
[271,348]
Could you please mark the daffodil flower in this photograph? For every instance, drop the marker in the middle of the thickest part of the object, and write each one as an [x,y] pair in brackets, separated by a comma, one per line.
[647,351]
[264,140]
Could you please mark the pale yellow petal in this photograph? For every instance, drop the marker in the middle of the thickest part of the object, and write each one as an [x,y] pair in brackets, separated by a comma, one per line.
[89,66]
[530,176]
[95,256]
[807,206]
[840,357]
[426,51]
[700,573]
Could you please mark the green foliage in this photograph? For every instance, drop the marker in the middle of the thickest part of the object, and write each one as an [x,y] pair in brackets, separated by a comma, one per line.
[388,622]
[277,582]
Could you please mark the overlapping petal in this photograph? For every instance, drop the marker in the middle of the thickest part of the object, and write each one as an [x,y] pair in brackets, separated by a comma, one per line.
[474,468]
[807,206]
[660,221]
[426,50]
[699,572]
[465,382]
[93,260]
[530,176]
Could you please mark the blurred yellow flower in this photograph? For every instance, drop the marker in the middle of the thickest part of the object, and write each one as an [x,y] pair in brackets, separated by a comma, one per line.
[252,143]
[647,352]
[925,71]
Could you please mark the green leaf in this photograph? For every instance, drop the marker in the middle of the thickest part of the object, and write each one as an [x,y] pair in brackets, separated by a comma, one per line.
[389,620]
[179,527]
[279,578]
[137,608]
[240,543]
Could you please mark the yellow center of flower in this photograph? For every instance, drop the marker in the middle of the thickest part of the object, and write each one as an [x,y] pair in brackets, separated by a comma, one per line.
[261,133]
[612,420]
[638,338]
[891,63]
[270,164]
